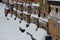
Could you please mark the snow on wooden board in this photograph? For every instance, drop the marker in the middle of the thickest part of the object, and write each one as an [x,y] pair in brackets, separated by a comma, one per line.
[43,19]
[34,15]
[18,11]
[37,5]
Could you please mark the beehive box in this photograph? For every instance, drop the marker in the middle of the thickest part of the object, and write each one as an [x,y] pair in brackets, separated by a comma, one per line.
[6,12]
[11,6]
[29,9]
[14,11]
[34,20]
[20,15]
[35,10]
[22,1]
[15,0]
[22,8]
[43,23]
[44,7]
[7,3]
[19,7]
[44,14]
[29,1]
[26,17]
[16,6]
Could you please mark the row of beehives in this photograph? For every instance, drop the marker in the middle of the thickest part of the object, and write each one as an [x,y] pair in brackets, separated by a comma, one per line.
[51,26]
[32,14]
[31,6]
[29,12]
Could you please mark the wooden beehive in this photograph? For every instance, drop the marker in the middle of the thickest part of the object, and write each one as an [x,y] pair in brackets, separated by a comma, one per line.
[15,0]
[26,17]
[43,23]
[7,3]
[21,16]
[34,20]
[15,12]
[15,4]
[21,8]
[35,10]
[29,1]
[6,12]
[44,7]
[29,9]
[22,1]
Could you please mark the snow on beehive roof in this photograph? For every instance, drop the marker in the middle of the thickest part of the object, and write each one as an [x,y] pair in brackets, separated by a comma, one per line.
[23,24]
[40,34]
[32,28]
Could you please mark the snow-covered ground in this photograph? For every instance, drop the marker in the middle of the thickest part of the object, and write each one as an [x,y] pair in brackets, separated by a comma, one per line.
[9,29]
